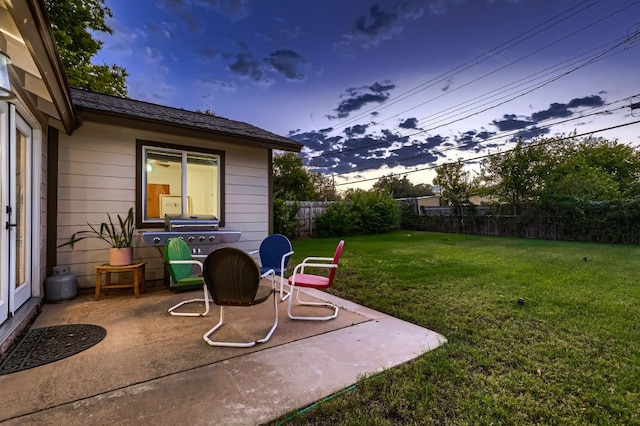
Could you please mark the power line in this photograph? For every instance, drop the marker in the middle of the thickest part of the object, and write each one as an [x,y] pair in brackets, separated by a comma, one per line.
[526,92]
[546,122]
[500,136]
[473,62]
[624,40]
[506,89]
[546,141]
[597,54]
[519,131]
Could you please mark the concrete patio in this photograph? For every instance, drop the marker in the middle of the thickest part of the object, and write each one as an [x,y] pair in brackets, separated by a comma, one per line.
[153,368]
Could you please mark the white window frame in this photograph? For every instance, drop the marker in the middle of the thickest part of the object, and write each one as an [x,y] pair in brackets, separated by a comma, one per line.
[144,147]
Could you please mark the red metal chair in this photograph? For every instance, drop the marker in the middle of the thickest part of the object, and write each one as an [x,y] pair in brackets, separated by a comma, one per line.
[301,279]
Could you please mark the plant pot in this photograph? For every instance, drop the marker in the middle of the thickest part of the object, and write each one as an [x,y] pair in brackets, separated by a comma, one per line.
[120,256]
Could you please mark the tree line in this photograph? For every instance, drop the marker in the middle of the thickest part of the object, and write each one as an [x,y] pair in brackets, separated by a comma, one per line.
[585,187]
[549,170]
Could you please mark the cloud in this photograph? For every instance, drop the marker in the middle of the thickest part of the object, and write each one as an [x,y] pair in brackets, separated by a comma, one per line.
[434,142]
[188,19]
[359,129]
[439,7]
[587,101]
[511,122]
[416,154]
[288,63]
[246,65]
[207,54]
[232,9]
[152,56]
[361,96]
[122,39]
[409,123]
[358,149]
[473,140]
[447,85]
[285,62]
[466,141]
[379,25]
[214,85]
[531,133]
[557,110]
[162,30]
[315,140]
[152,87]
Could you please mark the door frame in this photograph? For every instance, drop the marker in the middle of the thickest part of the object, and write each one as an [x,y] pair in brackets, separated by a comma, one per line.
[19,295]
[14,118]
[4,217]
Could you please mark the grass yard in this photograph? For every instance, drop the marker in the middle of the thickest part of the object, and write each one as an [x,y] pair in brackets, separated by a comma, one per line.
[570,354]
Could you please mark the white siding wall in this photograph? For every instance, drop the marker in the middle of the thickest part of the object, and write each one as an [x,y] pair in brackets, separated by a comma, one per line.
[97,176]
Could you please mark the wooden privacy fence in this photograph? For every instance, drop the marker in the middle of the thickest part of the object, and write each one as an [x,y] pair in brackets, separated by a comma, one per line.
[605,222]
[306,217]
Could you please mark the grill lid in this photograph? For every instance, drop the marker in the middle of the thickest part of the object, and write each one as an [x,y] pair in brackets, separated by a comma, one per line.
[191,223]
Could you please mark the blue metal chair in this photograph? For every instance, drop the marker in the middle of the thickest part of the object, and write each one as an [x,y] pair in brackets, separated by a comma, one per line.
[275,251]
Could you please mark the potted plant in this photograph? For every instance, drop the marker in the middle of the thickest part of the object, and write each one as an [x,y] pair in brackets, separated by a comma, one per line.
[117,236]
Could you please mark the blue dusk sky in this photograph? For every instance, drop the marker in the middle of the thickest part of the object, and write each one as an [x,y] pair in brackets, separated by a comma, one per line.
[379,87]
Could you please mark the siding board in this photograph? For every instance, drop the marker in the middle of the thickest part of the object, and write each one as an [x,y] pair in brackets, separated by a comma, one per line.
[98,175]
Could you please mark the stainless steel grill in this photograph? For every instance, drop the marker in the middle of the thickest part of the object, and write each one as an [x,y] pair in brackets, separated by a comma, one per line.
[194,230]
[201,233]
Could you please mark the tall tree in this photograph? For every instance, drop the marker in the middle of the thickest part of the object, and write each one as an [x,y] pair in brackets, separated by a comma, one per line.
[594,170]
[293,182]
[455,184]
[563,168]
[71,22]
[516,176]
[401,187]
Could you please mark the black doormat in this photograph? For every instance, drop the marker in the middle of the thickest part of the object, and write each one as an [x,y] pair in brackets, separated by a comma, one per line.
[44,345]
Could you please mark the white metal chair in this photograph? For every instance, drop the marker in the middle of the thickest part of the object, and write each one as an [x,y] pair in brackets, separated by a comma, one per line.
[275,251]
[233,278]
[301,279]
[179,262]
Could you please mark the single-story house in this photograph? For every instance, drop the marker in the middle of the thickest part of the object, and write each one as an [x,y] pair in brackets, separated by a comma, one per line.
[68,157]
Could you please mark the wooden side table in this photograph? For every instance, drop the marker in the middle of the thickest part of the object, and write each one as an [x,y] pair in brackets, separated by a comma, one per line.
[138,278]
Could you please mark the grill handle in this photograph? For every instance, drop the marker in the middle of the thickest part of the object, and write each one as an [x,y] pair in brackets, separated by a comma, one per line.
[194,225]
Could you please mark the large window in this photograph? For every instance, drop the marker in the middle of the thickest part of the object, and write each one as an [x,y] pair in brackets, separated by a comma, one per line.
[179,182]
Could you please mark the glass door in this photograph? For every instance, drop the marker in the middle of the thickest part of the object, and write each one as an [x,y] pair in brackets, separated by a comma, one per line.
[19,212]
[4,199]
[15,190]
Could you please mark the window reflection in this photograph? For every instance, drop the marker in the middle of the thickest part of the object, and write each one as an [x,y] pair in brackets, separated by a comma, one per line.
[180,182]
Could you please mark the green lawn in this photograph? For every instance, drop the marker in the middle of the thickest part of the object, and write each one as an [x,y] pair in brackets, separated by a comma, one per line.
[570,354]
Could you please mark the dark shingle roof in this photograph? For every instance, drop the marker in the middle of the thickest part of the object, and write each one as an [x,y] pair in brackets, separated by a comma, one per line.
[129,108]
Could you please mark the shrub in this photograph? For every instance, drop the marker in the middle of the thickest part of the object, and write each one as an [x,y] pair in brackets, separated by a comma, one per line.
[284,218]
[363,212]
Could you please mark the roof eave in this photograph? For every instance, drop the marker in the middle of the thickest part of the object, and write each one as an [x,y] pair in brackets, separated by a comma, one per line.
[31,20]
[117,119]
